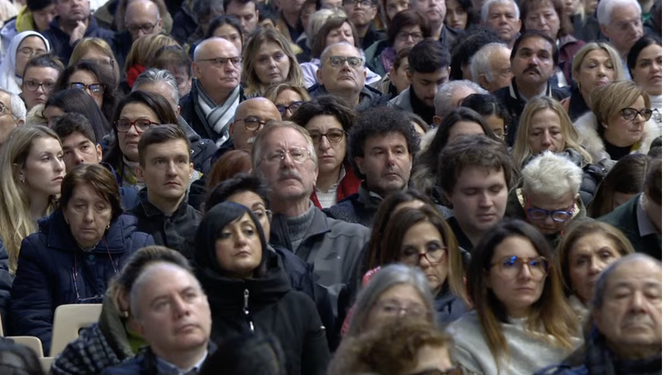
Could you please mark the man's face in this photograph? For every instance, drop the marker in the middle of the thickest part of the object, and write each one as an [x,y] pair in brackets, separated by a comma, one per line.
[43,17]
[246,13]
[289,6]
[7,122]
[541,211]
[392,7]
[361,12]
[71,11]
[43,80]
[166,170]
[502,71]
[214,74]
[338,76]
[504,21]
[77,149]
[170,310]
[624,29]
[479,198]
[287,166]
[630,317]
[433,10]
[533,63]
[386,163]
[426,85]
[251,113]
[142,17]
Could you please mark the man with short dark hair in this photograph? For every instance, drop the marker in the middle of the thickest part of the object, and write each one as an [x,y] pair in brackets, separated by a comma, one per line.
[428,70]
[533,59]
[382,144]
[35,15]
[289,21]
[165,167]
[362,14]
[247,13]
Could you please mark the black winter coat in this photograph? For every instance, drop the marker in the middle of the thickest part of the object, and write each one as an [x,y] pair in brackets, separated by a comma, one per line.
[49,263]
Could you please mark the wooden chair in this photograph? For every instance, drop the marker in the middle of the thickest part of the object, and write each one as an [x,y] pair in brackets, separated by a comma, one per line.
[68,320]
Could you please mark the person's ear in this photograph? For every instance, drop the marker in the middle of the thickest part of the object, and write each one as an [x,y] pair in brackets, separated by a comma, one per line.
[195,70]
[359,161]
[178,110]
[159,24]
[437,120]
[139,171]
[99,152]
[20,122]
[319,76]
[409,74]
[481,78]
[231,128]
[604,30]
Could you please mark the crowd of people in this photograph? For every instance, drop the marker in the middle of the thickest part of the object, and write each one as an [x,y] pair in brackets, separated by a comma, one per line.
[311,187]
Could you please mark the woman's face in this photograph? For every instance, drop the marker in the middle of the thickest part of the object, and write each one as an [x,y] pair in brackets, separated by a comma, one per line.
[648,69]
[100,58]
[239,248]
[399,78]
[624,132]
[129,141]
[596,70]
[44,78]
[51,113]
[496,124]
[286,98]
[44,168]
[589,256]
[517,286]
[272,64]
[457,17]
[88,215]
[396,302]
[89,82]
[462,128]
[545,132]
[571,7]
[230,33]
[29,47]
[341,34]
[330,148]
[407,37]
[424,242]
[545,19]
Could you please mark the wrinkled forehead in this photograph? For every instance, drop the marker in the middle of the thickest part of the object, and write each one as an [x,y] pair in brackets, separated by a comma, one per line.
[636,274]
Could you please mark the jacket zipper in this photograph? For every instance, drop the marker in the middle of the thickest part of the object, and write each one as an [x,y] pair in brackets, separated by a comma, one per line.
[246,310]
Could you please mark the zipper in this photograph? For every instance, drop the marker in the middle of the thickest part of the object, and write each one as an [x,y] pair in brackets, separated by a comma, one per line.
[246,310]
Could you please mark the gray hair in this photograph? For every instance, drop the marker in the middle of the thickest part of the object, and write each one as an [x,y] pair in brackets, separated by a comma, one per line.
[317,20]
[16,105]
[488,3]
[601,284]
[258,142]
[443,99]
[326,52]
[552,175]
[152,76]
[388,277]
[480,64]
[606,7]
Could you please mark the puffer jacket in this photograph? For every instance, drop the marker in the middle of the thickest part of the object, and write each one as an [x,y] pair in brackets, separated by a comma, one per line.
[53,271]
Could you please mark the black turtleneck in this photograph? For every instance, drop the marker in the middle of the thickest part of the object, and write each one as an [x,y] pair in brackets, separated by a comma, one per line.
[420,108]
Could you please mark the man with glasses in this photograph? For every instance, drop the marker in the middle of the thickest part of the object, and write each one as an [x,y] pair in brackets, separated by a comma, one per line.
[216,90]
[621,22]
[361,14]
[549,198]
[12,113]
[428,70]
[250,118]
[382,144]
[142,17]
[165,167]
[342,73]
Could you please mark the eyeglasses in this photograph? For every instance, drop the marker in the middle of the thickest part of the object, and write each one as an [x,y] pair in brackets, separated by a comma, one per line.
[251,123]
[34,85]
[435,371]
[222,61]
[29,52]
[631,113]
[434,254]
[94,88]
[558,216]
[75,276]
[141,125]
[297,154]
[511,266]
[396,309]
[332,135]
[292,107]
[259,213]
[146,28]
[339,61]
[403,36]
[362,3]
[4,110]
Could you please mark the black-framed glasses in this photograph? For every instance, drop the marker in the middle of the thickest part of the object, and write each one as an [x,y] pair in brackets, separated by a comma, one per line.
[352,61]
[251,123]
[297,154]
[434,254]
[631,113]
[362,3]
[559,216]
[93,88]
[435,371]
[146,28]
[261,213]
[34,85]
[222,61]
[403,36]
[4,110]
[292,107]
[141,125]
[332,135]
[511,266]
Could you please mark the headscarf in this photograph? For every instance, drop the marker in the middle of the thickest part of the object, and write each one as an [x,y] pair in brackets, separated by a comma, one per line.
[9,78]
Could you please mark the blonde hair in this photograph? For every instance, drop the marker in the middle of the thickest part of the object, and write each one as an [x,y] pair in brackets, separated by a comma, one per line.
[274,90]
[318,19]
[253,86]
[145,48]
[579,57]
[608,101]
[521,151]
[16,222]
[98,44]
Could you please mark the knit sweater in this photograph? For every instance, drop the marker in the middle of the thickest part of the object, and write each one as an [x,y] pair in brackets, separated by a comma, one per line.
[527,352]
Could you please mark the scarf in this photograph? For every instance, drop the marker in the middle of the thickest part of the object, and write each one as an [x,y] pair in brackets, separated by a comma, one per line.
[387,58]
[133,73]
[217,117]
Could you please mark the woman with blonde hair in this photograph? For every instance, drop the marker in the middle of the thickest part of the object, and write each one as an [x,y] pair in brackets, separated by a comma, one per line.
[268,59]
[142,51]
[96,50]
[32,172]
[288,98]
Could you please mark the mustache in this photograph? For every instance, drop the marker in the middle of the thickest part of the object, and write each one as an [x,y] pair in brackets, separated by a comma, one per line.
[532,68]
[286,174]
[638,319]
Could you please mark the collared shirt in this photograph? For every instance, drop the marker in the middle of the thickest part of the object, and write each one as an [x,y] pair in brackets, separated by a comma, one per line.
[167,368]
[644,223]
[330,197]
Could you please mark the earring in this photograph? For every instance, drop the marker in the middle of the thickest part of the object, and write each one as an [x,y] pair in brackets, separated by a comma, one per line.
[108,226]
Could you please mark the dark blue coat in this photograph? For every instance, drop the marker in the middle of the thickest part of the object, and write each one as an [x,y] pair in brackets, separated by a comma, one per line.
[5,280]
[46,270]
[59,40]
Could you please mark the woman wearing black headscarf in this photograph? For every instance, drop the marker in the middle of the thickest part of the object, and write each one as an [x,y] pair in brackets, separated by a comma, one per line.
[248,291]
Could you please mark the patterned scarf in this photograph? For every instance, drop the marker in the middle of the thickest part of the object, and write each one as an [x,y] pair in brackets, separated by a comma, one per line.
[217,117]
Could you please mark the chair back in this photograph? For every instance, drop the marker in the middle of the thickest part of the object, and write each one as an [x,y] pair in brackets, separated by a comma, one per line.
[68,320]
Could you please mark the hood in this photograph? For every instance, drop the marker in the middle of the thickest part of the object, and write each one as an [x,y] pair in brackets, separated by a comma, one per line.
[24,21]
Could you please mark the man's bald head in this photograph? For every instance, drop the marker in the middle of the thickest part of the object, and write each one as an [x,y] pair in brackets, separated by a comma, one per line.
[257,109]
[211,45]
[142,17]
[217,67]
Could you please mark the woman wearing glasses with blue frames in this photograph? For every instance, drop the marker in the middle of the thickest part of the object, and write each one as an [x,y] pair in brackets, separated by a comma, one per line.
[522,321]
[77,250]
